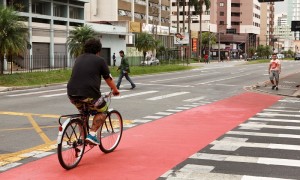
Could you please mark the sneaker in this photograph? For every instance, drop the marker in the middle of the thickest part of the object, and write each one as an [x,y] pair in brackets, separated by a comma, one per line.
[276,88]
[92,139]
[273,87]
[133,87]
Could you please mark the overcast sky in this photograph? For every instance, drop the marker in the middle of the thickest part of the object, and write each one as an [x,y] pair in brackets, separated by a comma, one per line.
[281,7]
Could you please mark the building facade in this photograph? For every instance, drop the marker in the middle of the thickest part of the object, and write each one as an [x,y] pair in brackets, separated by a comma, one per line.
[283,35]
[236,24]
[267,24]
[151,16]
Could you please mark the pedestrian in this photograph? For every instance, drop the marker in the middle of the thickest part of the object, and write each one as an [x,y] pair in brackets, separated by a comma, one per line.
[84,85]
[124,70]
[114,59]
[206,58]
[274,71]
[222,58]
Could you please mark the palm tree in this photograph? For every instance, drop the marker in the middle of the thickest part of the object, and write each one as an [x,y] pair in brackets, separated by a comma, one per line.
[199,11]
[13,35]
[145,42]
[77,38]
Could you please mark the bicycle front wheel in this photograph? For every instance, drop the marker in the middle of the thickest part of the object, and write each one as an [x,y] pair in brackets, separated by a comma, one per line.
[71,147]
[111,132]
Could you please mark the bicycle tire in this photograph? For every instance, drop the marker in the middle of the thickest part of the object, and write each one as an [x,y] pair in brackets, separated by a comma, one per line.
[72,146]
[110,132]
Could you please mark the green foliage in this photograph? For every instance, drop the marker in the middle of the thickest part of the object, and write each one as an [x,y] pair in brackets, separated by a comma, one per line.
[77,38]
[208,38]
[62,76]
[145,42]
[13,35]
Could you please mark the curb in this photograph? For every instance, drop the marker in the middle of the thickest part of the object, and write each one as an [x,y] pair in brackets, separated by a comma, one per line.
[4,89]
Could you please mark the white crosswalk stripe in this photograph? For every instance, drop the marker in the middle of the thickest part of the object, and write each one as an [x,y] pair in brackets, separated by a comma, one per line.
[166,96]
[265,147]
[38,92]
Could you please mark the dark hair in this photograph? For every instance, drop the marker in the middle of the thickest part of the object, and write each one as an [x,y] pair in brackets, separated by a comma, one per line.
[92,45]
[122,52]
[274,54]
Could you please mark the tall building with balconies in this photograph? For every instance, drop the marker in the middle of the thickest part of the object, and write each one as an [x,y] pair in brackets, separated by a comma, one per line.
[151,16]
[235,22]
[266,21]
[49,23]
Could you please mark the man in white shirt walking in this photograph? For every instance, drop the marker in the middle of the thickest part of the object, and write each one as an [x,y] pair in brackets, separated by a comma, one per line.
[274,71]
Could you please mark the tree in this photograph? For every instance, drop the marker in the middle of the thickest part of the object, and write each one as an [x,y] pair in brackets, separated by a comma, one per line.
[77,38]
[200,12]
[208,38]
[13,35]
[145,42]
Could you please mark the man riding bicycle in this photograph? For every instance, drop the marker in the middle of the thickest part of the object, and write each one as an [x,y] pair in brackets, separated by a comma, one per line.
[84,85]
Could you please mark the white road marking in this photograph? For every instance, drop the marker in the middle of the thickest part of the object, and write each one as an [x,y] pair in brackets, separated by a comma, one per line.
[274,120]
[38,92]
[194,99]
[225,143]
[164,113]
[167,85]
[54,95]
[134,94]
[184,108]
[262,125]
[9,166]
[277,114]
[279,110]
[183,77]
[264,134]
[247,159]
[196,172]
[290,100]
[167,96]
[174,110]
[152,117]
[223,79]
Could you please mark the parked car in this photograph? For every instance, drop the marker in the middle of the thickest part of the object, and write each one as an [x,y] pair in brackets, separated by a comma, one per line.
[150,61]
[297,57]
[279,56]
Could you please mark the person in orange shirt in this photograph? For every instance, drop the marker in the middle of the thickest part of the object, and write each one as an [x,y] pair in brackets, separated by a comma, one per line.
[274,71]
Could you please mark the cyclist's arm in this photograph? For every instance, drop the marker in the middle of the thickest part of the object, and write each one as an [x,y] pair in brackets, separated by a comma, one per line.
[110,82]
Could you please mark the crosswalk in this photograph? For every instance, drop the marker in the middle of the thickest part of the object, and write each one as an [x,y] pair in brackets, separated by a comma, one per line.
[125,94]
[265,147]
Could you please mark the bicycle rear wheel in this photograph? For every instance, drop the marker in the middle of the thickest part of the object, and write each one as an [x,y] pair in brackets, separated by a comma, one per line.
[71,148]
[111,132]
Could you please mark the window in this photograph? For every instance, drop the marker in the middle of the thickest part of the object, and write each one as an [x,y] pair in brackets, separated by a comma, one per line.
[222,23]
[221,4]
[222,13]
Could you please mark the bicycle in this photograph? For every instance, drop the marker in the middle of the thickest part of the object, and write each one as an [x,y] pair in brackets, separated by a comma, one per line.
[73,131]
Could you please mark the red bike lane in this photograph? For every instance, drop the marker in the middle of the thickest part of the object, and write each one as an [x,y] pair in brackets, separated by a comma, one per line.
[149,150]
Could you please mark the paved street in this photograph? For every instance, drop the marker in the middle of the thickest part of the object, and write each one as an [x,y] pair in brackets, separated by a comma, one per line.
[188,125]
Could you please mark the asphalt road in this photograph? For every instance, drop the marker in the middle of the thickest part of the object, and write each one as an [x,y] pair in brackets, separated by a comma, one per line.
[29,117]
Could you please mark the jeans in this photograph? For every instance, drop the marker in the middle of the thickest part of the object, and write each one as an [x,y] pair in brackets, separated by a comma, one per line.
[122,74]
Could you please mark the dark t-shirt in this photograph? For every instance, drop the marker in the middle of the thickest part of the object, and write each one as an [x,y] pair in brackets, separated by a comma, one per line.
[86,76]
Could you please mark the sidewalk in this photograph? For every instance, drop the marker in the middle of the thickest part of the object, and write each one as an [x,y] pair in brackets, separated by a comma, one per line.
[288,86]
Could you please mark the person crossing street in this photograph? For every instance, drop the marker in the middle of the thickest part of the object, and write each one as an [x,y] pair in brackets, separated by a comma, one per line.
[124,71]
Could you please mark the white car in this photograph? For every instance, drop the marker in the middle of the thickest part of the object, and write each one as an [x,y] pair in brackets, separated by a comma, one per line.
[150,62]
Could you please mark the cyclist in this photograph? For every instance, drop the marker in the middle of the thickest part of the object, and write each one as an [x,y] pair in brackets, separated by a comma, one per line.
[274,71]
[84,84]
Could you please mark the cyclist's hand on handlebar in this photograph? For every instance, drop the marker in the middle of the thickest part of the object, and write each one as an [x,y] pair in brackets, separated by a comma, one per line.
[115,92]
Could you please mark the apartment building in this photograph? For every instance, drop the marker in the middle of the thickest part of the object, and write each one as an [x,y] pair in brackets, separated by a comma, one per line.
[236,23]
[267,24]
[283,34]
[49,22]
[151,16]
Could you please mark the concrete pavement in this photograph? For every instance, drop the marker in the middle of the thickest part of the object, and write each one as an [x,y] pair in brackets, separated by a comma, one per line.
[288,86]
